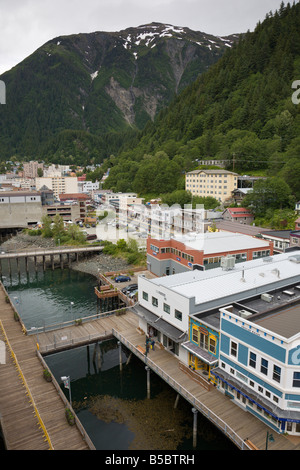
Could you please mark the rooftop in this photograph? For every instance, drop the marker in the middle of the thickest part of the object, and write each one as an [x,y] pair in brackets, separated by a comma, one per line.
[221,242]
[262,274]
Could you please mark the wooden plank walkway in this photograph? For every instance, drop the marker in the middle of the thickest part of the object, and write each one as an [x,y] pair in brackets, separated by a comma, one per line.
[244,424]
[20,425]
[124,327]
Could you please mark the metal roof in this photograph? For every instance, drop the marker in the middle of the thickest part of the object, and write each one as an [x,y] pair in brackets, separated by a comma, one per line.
[216,283]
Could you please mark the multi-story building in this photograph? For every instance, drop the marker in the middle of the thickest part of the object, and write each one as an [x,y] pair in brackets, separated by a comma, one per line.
[202,251]
[215,183]
[259,365]
[20,209]
[31,169]
[58,184]
[238,214]
[239,328]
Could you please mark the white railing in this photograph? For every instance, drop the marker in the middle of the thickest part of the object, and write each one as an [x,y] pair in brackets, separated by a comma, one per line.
[227,430]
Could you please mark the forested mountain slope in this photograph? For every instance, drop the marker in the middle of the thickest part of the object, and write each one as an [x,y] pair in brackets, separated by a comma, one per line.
[240,110]
[71,100]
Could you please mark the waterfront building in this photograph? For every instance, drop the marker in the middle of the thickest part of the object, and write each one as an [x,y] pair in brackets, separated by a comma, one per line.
[238,327]
[20,209]
[259,366]
[167,304]
[215,183]
[202,251]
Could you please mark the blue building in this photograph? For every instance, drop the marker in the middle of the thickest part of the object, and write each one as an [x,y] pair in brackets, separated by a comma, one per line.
[259,360]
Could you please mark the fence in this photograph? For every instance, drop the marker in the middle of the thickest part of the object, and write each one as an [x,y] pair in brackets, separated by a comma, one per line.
[227,430]
[40,421]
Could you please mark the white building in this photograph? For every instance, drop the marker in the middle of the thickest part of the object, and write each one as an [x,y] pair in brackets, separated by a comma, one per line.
[59,184]
[166,303]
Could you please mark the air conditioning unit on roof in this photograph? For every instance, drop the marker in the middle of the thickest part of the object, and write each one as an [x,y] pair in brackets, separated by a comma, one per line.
[245,313]
[266,297]
[228,262]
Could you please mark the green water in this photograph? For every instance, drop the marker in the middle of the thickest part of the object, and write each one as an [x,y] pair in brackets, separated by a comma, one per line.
[44,298]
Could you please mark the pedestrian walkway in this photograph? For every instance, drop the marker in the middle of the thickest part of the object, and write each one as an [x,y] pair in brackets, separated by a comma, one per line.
[32,412]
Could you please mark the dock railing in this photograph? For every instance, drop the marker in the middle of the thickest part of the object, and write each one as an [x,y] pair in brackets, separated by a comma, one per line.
[40,422]
[227,430]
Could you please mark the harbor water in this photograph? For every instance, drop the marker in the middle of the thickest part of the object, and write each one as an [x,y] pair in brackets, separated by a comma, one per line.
[112,405]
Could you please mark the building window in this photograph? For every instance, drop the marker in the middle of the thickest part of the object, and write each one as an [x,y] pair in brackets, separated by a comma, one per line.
[154,302]
[264,366]
[178,315]
[233,349]
[296,379]
[212,346]
[195,335]
[166,308]
[252,360]
[145,296]
[276,373]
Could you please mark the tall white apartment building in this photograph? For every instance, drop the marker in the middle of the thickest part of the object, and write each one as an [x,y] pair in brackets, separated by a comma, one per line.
[58,184]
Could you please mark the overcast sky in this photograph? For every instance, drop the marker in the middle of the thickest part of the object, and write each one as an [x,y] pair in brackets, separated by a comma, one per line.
[26,25]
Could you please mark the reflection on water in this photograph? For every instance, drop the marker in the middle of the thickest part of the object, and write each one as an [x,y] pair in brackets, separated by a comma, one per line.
[114,409]
[112,405]
[44,298]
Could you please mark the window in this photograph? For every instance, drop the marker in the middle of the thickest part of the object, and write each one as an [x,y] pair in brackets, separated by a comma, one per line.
[252,360]
[276,373]
[178,315]
[154,302]
[264,366]
[145,296]
[195,335]
[233,349]
[166,308]
[212,346]
[296,379]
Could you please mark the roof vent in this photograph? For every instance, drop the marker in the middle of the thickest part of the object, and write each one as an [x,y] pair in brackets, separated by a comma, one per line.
[266,297]
[245,313]
[295,258]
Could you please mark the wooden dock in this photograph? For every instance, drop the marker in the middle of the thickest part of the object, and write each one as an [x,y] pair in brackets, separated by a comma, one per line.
[32,412]
[237,424]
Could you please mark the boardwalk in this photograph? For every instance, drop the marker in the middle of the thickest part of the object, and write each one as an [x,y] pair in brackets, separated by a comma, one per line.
[212,402]
[14,401]
[19,422]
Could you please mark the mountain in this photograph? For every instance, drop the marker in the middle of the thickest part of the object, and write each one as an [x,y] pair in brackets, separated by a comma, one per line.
[240,110]
[74,91]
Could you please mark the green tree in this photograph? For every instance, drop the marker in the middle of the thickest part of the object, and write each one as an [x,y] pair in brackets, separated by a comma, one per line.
[58,229]
[269,193]
[46,223]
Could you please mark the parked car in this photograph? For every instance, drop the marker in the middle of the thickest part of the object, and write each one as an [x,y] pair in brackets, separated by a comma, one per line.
[126,290]
[91,237]
[122,278]
[132,293]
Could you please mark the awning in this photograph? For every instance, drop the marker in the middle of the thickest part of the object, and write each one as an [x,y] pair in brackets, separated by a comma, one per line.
[178,336]
[205,356]
[273,410]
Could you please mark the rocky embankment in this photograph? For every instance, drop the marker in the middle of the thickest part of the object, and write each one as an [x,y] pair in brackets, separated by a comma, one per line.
[89,265]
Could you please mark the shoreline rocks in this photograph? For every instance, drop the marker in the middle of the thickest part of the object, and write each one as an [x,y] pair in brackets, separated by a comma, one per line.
[105,263]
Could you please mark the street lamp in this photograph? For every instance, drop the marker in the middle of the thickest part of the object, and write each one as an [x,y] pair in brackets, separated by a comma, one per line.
[269,438]
[67,383]
[72,303]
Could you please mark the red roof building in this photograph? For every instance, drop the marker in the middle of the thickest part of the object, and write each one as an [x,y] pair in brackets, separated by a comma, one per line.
[238,214]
